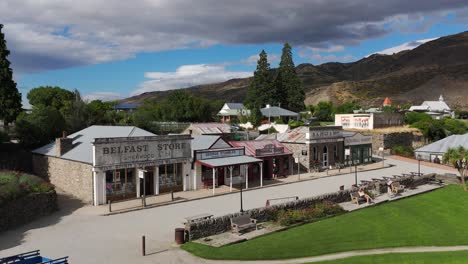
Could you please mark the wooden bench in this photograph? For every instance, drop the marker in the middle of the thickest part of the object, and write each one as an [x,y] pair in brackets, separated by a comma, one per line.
[355,198]
[242,223]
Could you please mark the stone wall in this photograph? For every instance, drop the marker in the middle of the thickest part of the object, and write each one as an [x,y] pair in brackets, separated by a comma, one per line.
[297,149]
[391,140]
[222,224]
[388,119]
[72,177]
[26,209]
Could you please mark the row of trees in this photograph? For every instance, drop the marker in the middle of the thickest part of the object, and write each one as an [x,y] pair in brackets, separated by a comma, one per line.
[281,87]
[435,129]
[55,109]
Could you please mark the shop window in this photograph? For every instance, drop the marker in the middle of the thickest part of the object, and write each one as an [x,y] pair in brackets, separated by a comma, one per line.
[314,150]
[207,173]
[236,171]
[170,175]
[335,152]
[120,184]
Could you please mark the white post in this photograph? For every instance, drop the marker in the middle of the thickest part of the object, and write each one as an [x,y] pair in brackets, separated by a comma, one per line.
[230,174]
[246,176]
[195,170]
[261,174]
[96,188]
[156,180]
[214,175]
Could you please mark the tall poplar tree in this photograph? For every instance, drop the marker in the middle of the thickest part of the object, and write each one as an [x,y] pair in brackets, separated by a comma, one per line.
[10,98]
[288,87]
[259,92]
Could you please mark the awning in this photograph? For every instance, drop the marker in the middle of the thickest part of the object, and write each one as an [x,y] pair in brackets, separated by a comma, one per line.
[229,161]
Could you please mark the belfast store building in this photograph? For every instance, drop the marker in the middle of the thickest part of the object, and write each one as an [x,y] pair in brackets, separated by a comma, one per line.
[109,163]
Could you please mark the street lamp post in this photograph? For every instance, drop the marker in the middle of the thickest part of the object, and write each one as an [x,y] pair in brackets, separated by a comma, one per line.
[355,173]
[419,164]
[241,199]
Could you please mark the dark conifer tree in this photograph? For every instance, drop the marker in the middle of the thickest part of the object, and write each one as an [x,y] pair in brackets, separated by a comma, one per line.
[10,98]
[259,92]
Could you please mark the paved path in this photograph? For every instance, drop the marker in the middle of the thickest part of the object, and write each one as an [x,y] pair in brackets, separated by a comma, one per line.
[89,238]
[184,255]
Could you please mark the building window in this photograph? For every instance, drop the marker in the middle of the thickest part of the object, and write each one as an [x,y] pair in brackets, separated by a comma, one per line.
[207,173]
[170,175]
[120,184]
[286,163]
[314,150]
[335,152]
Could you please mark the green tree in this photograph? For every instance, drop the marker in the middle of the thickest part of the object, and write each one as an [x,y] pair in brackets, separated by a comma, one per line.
[255,116]
[40,127]
[347,108]
[51,96]
[324,111]
[458,157]
[288,87]
[98,110]
[455,126]
[10,98]
[432,129]
[413,117]
[76,114]
[259,92]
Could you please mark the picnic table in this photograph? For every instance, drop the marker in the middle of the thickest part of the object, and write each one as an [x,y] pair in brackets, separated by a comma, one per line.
[198,218]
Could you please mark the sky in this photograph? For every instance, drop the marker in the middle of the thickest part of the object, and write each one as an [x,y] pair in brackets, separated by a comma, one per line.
[115,49]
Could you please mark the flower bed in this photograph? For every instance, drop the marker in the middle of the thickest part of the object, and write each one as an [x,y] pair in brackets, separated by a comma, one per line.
[14,185]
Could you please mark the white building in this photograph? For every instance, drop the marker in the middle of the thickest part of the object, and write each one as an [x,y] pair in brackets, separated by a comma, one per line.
[436,109]
[232,110]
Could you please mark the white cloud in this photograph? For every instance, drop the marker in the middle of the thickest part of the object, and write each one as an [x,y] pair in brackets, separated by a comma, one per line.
[331,48]
[187,76]
[51,34]
[103,96]
[405,46]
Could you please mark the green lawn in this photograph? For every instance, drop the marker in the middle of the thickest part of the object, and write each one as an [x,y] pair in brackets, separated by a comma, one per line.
[456,257]
[438,218]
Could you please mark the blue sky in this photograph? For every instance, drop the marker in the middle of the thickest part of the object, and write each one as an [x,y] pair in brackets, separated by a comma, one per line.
[105,57]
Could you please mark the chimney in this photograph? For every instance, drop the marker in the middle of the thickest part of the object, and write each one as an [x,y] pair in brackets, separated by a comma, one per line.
[63,144]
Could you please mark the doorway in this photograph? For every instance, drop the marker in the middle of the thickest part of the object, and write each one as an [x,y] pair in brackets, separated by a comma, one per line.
[325,156]
[148,184]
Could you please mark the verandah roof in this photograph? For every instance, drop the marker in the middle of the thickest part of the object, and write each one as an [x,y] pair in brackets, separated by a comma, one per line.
[229,161]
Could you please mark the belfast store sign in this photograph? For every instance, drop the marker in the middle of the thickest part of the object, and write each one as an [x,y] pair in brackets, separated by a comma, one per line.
[140,151]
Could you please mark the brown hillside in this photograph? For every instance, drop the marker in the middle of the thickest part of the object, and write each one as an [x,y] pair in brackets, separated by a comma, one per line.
[434,68]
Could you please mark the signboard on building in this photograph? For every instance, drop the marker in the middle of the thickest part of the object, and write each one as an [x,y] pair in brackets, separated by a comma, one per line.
[324,132]
[216,154]
[140,151]
[358,139]
[269,149]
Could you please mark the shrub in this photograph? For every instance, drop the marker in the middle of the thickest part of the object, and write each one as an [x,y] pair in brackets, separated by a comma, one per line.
[405,151]
[312,213]
[7,178]
[30,180]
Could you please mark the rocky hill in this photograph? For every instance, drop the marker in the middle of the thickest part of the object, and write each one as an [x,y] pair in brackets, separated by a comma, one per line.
[436,67]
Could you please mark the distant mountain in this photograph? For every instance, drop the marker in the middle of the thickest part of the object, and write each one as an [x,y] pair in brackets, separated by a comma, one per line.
[436,67]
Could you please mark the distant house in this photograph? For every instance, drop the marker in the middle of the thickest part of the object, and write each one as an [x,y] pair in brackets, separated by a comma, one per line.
[438,148]
[436,109]
[232,110]
[213,129]
[126,107]
[278,112]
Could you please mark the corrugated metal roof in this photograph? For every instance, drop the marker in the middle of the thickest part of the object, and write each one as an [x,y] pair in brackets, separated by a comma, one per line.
[274,111]
[441,146]
[221,162]
[237,106]
[266,136]
[127,106]
[203,142]
[211,128]
[296,135]
[436,106]
[82,150]
[252,145]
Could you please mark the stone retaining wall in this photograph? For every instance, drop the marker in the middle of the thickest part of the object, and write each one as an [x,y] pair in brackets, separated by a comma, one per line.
[222,224]
[26,209]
